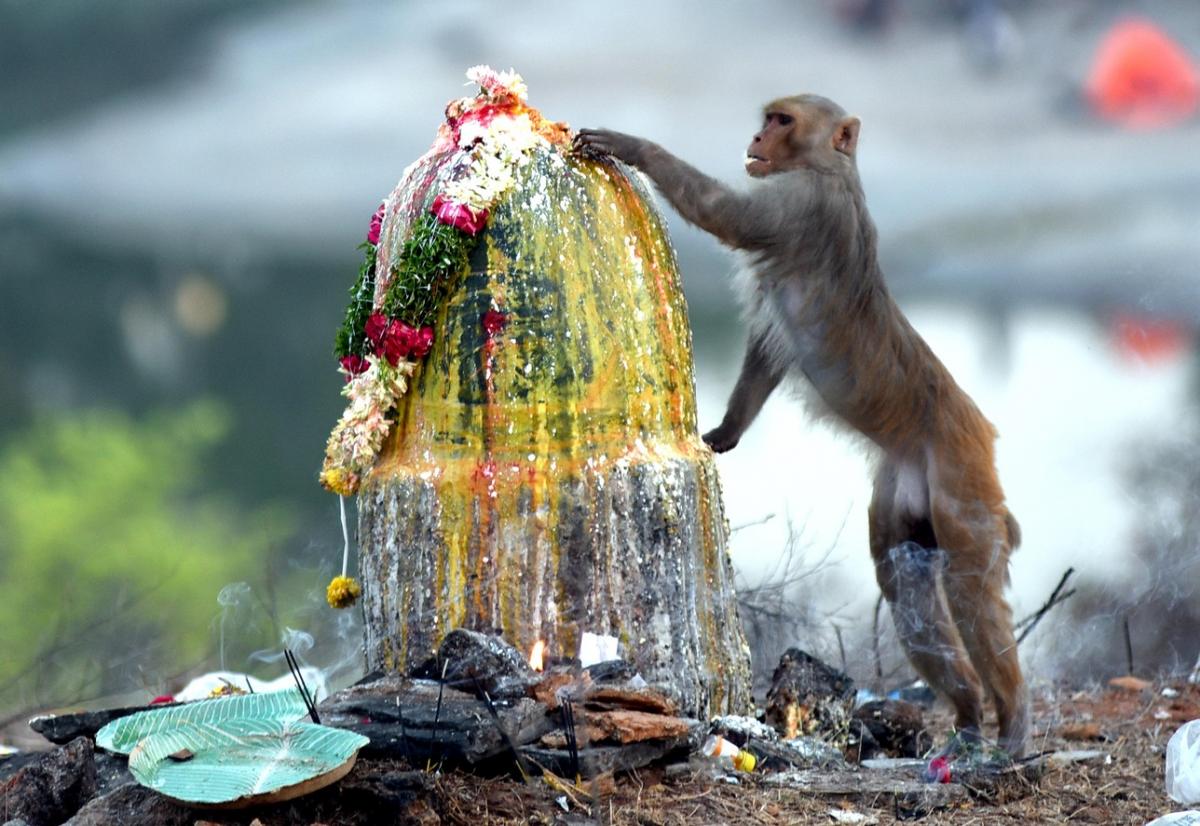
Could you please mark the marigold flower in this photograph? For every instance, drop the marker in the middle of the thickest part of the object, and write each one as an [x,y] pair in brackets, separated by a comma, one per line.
[342,592]
[339,480]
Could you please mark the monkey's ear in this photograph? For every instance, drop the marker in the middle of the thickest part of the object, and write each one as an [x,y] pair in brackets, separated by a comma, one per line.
[845,136]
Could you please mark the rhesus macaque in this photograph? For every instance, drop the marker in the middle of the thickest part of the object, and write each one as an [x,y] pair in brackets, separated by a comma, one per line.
[818,309]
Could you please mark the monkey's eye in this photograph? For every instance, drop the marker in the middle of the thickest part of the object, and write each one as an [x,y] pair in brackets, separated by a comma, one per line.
[784,120]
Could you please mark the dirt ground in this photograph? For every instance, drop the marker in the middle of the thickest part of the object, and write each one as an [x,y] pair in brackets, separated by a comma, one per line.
[1132,727]
[1124,785]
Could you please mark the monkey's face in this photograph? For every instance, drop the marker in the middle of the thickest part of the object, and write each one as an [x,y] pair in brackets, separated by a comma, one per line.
[799,132]
[772,149]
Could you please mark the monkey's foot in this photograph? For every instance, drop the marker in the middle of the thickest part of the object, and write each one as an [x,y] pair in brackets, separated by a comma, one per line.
[721,440]
[966,751]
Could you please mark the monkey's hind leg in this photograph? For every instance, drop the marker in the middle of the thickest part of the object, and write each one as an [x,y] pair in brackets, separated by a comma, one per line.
[909,576]
[974,581]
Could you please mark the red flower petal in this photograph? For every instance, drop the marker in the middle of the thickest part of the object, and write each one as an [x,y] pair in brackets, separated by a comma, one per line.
[353,365]
[459,216]
[376,226]
[398,342]
[494,322]
[376,328]
[422,342]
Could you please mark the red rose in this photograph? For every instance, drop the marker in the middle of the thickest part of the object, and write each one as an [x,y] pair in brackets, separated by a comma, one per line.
[494,322]
[376,328]
[376,226]
[422,341]
[353,365]
[398,342]
[459,216]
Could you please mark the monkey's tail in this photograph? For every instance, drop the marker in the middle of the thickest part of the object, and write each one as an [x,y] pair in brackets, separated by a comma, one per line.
[1014,530]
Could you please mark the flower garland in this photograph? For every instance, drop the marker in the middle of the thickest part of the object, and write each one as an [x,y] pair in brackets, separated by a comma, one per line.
[380,343]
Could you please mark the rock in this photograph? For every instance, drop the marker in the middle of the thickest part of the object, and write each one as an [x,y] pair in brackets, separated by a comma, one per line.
[53,787]
[63,728]
[896,728]
[625,727]
[614,697]
[132,805]
[808,697]
[402,719]
[476,662]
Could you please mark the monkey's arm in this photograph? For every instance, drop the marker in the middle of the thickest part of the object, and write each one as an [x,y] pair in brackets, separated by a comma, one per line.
[736,219]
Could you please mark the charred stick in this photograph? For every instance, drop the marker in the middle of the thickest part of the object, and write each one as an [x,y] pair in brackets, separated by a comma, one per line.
[875,642]
[1049,603]
[1128,646]
[568,718]
[1056,596]
[437,719]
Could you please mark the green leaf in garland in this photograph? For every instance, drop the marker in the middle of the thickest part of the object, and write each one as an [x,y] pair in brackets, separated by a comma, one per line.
[431,259]
[350,339]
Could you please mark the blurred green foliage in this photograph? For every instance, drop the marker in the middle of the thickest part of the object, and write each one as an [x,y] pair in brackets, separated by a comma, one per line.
[112,553]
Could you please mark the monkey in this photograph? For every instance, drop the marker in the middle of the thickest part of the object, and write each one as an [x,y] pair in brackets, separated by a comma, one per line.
[818,309]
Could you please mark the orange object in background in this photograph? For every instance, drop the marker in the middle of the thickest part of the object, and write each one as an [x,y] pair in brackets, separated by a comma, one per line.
[1150,340]
[1141,78]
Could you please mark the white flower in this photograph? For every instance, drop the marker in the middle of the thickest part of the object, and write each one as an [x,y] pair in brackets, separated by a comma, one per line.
[498,84]
[514,83]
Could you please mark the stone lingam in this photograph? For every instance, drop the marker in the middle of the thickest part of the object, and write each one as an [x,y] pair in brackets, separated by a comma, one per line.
[543,476]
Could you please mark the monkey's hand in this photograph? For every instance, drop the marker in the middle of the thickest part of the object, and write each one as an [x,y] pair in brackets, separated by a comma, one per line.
[598,143]
[722,439]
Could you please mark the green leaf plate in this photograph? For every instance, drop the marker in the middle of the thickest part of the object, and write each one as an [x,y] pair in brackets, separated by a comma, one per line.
[233,763]
[123,734]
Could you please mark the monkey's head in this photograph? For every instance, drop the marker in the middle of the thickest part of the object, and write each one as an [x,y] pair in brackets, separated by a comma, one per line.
[804,131]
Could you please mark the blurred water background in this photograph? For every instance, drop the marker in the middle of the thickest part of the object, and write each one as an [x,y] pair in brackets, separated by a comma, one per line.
[183,186]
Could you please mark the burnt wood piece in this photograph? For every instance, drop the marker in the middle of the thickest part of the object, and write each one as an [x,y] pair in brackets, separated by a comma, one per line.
[63,728]
[624,726]
[805,753]
[808,697]
[894,727]
[607,697]
[475,662]
[611,671]
[398,715]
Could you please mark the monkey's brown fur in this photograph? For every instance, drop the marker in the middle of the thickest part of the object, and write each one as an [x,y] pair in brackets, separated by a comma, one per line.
[940,532]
